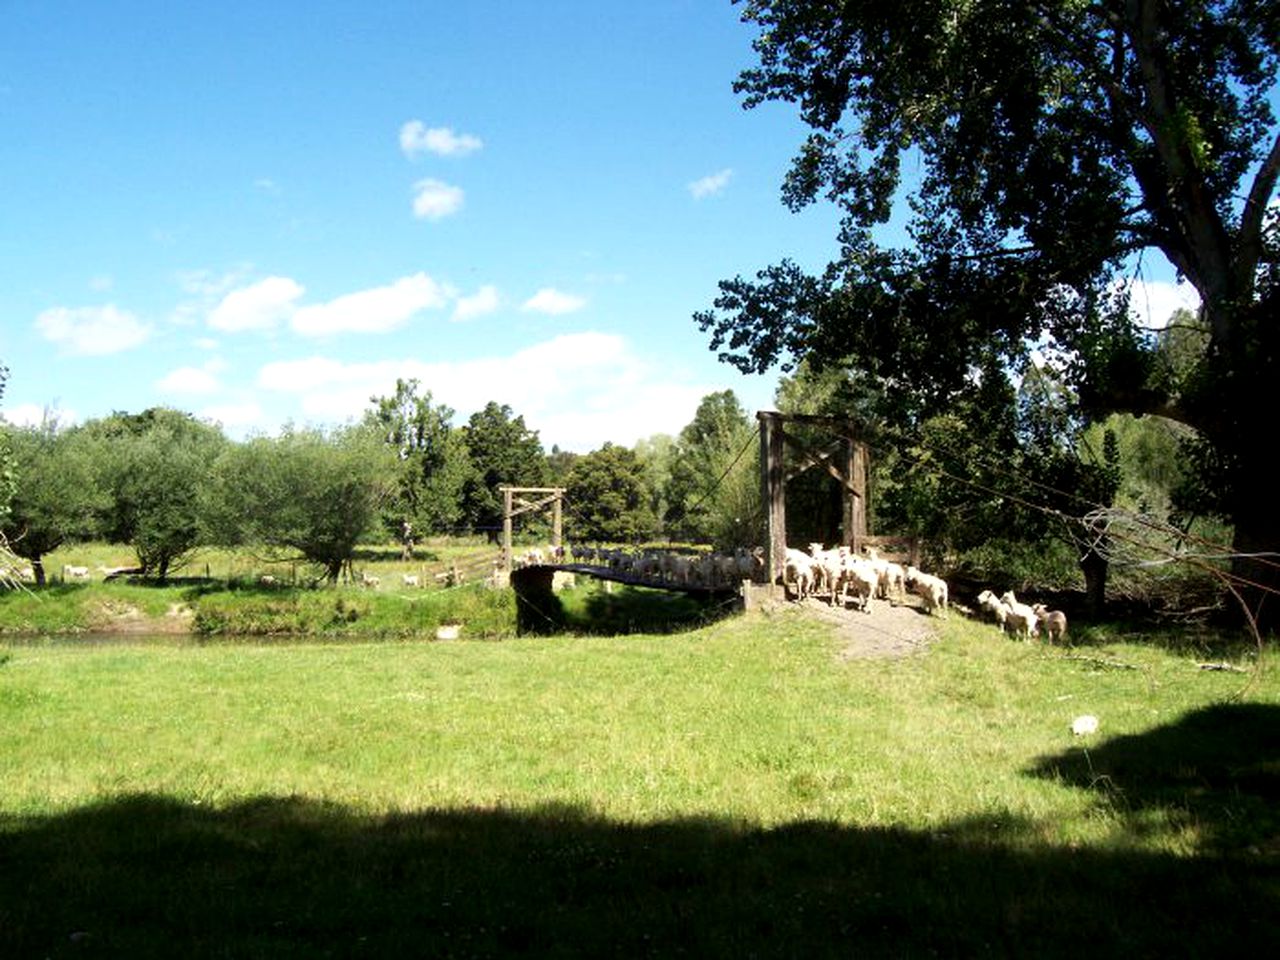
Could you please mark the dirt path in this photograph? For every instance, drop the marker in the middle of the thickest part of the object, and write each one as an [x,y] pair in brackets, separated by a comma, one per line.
[886,631]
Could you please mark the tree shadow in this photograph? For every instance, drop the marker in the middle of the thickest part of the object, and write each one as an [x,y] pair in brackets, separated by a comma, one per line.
[150,876]
[1215,771]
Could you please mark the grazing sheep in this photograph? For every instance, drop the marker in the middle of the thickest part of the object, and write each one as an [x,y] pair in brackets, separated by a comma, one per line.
[409,579]
[932,590]
[1021,619]
[267,580]
[1055,622]
[369,580]
[70,572]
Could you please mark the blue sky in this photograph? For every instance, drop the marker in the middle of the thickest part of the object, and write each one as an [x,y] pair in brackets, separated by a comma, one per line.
[268,212]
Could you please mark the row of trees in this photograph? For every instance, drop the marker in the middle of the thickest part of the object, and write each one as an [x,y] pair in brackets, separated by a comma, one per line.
[166,483]
[1000,467]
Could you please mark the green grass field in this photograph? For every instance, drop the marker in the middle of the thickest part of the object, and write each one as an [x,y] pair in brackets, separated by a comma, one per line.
[733,790]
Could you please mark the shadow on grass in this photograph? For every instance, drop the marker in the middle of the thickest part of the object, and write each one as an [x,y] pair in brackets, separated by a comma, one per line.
[148,876]
[1216,770]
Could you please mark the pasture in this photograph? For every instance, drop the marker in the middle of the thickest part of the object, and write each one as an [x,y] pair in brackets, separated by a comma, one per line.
[743,788]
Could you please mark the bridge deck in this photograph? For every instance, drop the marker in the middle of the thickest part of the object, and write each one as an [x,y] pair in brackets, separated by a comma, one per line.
[617,576]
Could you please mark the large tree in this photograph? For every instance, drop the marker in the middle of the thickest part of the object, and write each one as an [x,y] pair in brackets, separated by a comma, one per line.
[433,464]
[504,451]
[56,497]
[308,490]
[712,493]
[610,498]
[152,467]
[1057,142]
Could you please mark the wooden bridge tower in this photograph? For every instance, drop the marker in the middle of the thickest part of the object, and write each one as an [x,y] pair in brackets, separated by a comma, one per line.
[845,460]
[514,504]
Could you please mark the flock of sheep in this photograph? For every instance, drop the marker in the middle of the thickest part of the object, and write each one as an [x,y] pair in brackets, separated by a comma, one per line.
[1022,620]
[839,574]
[709,570]
[843,576]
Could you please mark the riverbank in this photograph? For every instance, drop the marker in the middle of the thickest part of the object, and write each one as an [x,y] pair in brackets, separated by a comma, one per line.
[209,608]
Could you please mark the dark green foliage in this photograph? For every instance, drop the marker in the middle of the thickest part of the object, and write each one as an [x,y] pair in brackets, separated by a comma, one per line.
[1055,142]
[152,467]
[57,497]
[433,465]
[610,498]
[306,490]
[503,451]
[712,491]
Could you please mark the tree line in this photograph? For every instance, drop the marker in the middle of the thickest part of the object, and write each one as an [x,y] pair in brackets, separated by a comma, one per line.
[991,477]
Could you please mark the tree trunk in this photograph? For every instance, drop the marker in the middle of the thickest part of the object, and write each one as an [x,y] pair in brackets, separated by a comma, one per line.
[1255,567]
[1094,567]
[37,568]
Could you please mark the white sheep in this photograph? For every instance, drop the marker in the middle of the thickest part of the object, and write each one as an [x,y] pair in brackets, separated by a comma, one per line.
[931,589]
[860,580]
[1021,620]
[409,579]
[892,577]
[994,606]
[1055,622]
[369,580]
[72,572]
[798,570]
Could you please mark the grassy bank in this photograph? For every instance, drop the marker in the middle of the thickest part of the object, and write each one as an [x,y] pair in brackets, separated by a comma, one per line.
[732,790]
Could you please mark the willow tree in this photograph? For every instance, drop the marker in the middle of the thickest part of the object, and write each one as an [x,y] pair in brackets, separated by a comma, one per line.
[1057,143]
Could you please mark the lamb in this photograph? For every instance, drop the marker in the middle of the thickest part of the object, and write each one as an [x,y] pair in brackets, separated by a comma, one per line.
[71,572]
[1021,619]
[409,579]
[931,589]
[892,578]
[369,580]
[994,606]
[861,580]
[828,571]
[798,570]
[1055,622]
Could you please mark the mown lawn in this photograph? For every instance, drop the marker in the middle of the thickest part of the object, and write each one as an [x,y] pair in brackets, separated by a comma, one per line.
[735,790]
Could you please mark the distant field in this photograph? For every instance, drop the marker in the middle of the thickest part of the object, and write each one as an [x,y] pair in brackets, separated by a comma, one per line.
[725,791]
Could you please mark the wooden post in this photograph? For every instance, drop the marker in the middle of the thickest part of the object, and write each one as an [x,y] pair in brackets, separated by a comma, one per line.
[506,527]
[773,494]
[855,495]
[556,520]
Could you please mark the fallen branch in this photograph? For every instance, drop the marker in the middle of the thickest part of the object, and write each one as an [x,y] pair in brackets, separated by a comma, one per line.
[1101,661]
[1222,666]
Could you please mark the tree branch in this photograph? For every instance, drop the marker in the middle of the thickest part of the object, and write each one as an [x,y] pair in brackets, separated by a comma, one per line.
[1255,210]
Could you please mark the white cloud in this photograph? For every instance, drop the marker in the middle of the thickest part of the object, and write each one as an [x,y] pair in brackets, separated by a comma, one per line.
[189,380]
[372,311]
[34,415]
[416,138]
[92,331]
[1152,302]
[584,391]
[711,185]
[435,199]
[206,343]
[259,306]
[553,302]
[234,415]
[482,302]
